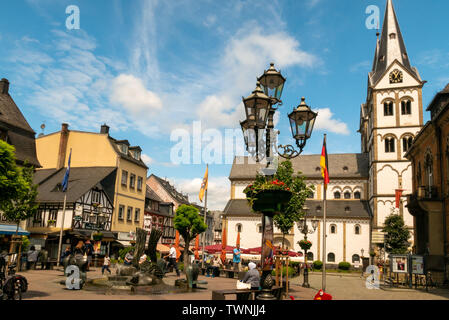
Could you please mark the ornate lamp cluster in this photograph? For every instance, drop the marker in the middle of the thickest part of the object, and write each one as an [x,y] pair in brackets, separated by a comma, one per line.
[260,108]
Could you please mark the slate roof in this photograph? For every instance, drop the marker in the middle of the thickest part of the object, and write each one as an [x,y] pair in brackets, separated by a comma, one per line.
[19,132]
[335,208]
[81,180]
[383,49]
[150,194]
[179,197]
[127,156]
[357,166]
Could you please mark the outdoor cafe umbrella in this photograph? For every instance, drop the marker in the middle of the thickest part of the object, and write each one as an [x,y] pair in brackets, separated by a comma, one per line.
[237,243]
[178,252]
[223,247]
[197,244]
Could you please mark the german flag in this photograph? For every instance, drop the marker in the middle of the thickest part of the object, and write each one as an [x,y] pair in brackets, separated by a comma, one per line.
[324,164]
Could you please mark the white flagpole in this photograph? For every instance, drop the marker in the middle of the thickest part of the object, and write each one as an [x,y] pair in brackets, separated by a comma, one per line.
[323,285]
[62,228]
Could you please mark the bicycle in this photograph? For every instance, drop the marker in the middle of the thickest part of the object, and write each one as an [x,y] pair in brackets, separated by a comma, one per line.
[13,285]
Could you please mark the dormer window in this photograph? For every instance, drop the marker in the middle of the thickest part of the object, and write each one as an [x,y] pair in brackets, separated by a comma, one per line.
[124,148]
[136,154]
[392,36]
[345,169]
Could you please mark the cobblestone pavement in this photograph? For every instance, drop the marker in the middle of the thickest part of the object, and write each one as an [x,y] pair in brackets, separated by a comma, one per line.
[45,285]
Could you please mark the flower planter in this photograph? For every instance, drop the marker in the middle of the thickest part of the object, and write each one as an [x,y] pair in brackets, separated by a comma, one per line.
[271,201]
[97,237]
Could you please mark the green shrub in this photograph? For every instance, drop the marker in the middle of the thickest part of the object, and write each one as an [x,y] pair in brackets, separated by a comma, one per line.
[291,272]
[122,252]
[181,266]
[344,265]
[25,243]
[317,265]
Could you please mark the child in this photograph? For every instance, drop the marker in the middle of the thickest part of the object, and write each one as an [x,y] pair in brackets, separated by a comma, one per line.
[106,263]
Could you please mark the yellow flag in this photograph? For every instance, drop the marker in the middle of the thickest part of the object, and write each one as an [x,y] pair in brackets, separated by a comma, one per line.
[204,184]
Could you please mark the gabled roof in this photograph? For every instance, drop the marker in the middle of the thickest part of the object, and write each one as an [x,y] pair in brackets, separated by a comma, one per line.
[150,194]
[18,131]
[177,196]
[81,180]
[391,47]
[127,156]
[309,165]
[335,208]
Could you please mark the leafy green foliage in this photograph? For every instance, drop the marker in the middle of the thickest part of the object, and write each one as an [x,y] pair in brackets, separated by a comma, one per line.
[189,223]
[11,183]
[396,235]
[25,243]
[344,265]
[21,205]
[317,265]
[291,272]
[122,252]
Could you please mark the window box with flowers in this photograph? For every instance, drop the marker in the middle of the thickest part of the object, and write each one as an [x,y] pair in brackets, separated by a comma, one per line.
[51,223]
[269,197]
[97,236]
[305,244]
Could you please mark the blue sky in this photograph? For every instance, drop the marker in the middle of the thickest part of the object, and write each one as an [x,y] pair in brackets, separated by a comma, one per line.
[147,68]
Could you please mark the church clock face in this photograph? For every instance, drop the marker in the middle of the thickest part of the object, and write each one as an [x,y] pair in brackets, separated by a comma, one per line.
[396,76]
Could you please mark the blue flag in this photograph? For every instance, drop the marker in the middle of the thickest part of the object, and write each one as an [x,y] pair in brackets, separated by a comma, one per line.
[65,181]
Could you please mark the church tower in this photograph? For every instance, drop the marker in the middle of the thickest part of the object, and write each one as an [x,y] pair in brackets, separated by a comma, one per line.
[389,120]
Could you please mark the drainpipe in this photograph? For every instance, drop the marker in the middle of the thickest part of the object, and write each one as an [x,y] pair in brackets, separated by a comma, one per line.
[443,195]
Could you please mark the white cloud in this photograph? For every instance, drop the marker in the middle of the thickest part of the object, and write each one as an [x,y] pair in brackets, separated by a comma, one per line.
[147,159]
[130,92]
[210,20]
[361,66]
[326,122]
[218,192]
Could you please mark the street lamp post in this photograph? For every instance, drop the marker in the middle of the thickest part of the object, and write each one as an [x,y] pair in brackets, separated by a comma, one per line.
[260,108]
[304,229]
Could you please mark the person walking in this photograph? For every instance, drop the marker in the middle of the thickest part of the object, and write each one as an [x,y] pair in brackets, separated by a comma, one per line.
[172,259]
[89,251]
[106,264]
[32,258]
[236,258]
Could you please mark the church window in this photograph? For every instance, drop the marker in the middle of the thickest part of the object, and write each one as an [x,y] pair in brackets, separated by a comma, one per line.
[318,169]
[239,227]
[392,36]
[333,228]
[357,229]
[337,195]
[330,257]
[429,171]
[388,108]
[406,143]
[389,145]
[310,256]
[357,195]
[347,195]
[355,258]
[311,195]
[406,107]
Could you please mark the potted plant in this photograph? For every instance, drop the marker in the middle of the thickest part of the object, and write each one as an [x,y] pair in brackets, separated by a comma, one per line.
[305,244]
[268,196]
[97,236]
[51,222]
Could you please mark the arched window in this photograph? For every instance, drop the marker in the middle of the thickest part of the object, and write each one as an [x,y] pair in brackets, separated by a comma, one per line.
[406,107]
[357,195]
[337,195]
[333,228]
[389,145]
[311,195]
[406,143]
[355,258]
[347,195]
[347,209]
[388,108]
[310,256]
[239,227]
[330,257]
[357,229]
[345,169]
[429,170]
[419,175]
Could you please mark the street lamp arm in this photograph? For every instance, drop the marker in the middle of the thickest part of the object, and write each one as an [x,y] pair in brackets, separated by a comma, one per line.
[289,152]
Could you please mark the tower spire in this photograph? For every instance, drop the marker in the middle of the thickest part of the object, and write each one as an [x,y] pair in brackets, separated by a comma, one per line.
[391,46]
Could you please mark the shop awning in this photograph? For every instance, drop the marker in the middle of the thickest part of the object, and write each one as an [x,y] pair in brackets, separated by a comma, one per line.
[11,229]
[124,243]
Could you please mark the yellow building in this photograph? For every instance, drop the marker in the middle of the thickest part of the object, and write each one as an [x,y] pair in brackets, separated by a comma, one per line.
[91,149]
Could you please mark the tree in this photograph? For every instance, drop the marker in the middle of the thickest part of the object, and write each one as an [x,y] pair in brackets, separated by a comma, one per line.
[189,223]
[396,235]
[19,201]
[10,182]
[285,221]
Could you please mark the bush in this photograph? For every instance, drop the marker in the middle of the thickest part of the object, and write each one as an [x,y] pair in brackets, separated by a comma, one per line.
[344,265]
[317,265]
[181,266]
[291,272]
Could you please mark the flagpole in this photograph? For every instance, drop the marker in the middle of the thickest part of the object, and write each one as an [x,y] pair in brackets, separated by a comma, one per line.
[205,213]
[323,285]
[60,232]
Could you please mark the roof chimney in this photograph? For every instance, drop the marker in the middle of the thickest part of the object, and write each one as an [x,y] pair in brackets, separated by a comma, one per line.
[104,129]
[4,86]
[63,145]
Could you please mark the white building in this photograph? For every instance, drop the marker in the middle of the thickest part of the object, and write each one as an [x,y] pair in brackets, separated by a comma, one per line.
[362,186]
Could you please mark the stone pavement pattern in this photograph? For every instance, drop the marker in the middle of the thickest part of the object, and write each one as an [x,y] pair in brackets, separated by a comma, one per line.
[45,285]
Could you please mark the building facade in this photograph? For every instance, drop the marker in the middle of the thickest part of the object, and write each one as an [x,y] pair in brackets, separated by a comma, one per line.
[348,215]
[429,155]
[91,149]
[390,118]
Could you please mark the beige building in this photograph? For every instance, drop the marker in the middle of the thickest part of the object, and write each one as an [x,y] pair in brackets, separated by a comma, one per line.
[98,149]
